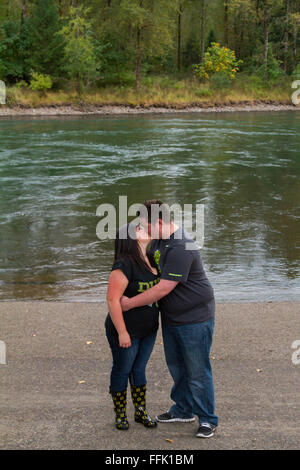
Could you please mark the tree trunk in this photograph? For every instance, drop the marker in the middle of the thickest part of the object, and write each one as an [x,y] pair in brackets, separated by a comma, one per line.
[266,38]
[286,36]
[60,8]
[295,37]
[226,28]
[179,38]
[24,11]
[138,59]
[295,47]
[241,40]
[138,53]
[202,29]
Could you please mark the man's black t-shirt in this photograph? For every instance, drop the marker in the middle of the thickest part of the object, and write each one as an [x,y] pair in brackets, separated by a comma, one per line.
[139,321]
[192,300]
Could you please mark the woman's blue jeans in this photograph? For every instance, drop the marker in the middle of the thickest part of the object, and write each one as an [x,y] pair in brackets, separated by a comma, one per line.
[129,363]
[187,349]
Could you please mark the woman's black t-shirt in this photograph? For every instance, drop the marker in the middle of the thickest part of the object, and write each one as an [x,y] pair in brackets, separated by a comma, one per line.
[139,321]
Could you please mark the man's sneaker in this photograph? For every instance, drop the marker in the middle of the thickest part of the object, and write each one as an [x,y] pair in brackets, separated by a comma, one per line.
[206,430]
[169,418]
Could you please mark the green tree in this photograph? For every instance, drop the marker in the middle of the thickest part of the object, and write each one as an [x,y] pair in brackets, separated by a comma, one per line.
[81,58]
[191,51]
[210,39]
[295,25]
[11,61]
[243,29]
[265,13]
[151,28]
[44,48]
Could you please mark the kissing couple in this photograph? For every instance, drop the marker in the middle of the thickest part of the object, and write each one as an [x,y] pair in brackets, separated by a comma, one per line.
[153,272]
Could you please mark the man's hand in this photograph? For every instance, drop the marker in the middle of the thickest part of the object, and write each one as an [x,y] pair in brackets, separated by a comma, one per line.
[125,303]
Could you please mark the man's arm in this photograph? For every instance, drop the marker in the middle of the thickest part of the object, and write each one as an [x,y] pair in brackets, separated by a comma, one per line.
[176,269]
[163,288]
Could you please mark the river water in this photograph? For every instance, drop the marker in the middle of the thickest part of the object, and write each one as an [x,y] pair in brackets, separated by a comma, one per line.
[244,167]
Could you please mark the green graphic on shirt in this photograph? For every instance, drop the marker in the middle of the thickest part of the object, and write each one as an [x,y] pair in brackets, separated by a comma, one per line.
[147,285]
[156,259]
[172,274]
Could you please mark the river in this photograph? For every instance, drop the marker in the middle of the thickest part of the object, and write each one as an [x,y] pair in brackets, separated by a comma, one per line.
[244,167]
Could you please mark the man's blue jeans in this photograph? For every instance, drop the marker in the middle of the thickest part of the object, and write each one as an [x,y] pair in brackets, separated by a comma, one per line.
[187,349]
[129,363]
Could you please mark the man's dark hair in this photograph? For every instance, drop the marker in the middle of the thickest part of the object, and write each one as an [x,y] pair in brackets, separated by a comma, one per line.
[155,209]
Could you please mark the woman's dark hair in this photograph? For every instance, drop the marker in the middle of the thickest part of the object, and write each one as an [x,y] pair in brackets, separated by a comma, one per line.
[128,247]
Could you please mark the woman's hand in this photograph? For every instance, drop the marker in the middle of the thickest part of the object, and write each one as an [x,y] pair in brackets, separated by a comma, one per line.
[124,340]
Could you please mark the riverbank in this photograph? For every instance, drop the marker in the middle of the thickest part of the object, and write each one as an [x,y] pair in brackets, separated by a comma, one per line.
[73,110]
[54,387]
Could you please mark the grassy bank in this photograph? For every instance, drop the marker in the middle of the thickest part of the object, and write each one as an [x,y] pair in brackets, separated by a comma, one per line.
[159,91]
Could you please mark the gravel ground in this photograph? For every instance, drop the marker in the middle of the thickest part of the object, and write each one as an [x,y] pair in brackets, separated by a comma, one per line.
[54,385]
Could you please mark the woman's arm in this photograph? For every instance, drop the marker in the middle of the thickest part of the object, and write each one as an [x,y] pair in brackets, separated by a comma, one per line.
[117,284]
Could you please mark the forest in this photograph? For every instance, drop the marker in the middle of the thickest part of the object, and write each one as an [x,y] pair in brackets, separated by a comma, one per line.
[148,51]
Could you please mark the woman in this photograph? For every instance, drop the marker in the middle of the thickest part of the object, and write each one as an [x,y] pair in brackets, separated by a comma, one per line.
[131,335]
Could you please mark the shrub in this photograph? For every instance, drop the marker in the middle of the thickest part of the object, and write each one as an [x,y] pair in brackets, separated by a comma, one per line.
[296,73]
[123,78]
[21,84]
[11,99]
[271,71]
[252,83]
[217,59]
[203,92]
[220,80]
[147,81]
[40,82]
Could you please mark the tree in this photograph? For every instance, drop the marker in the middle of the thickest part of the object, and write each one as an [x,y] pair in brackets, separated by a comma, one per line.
[226,21]
[265,10]
[24,11]
[44,48]
[150,26]
[180,10]
[241,14]
[203,15]
[295,23]
[11,61]
[286,34]
[81,62]
[210,39]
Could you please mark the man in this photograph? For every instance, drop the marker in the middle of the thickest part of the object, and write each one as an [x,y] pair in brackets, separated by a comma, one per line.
[187,304]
